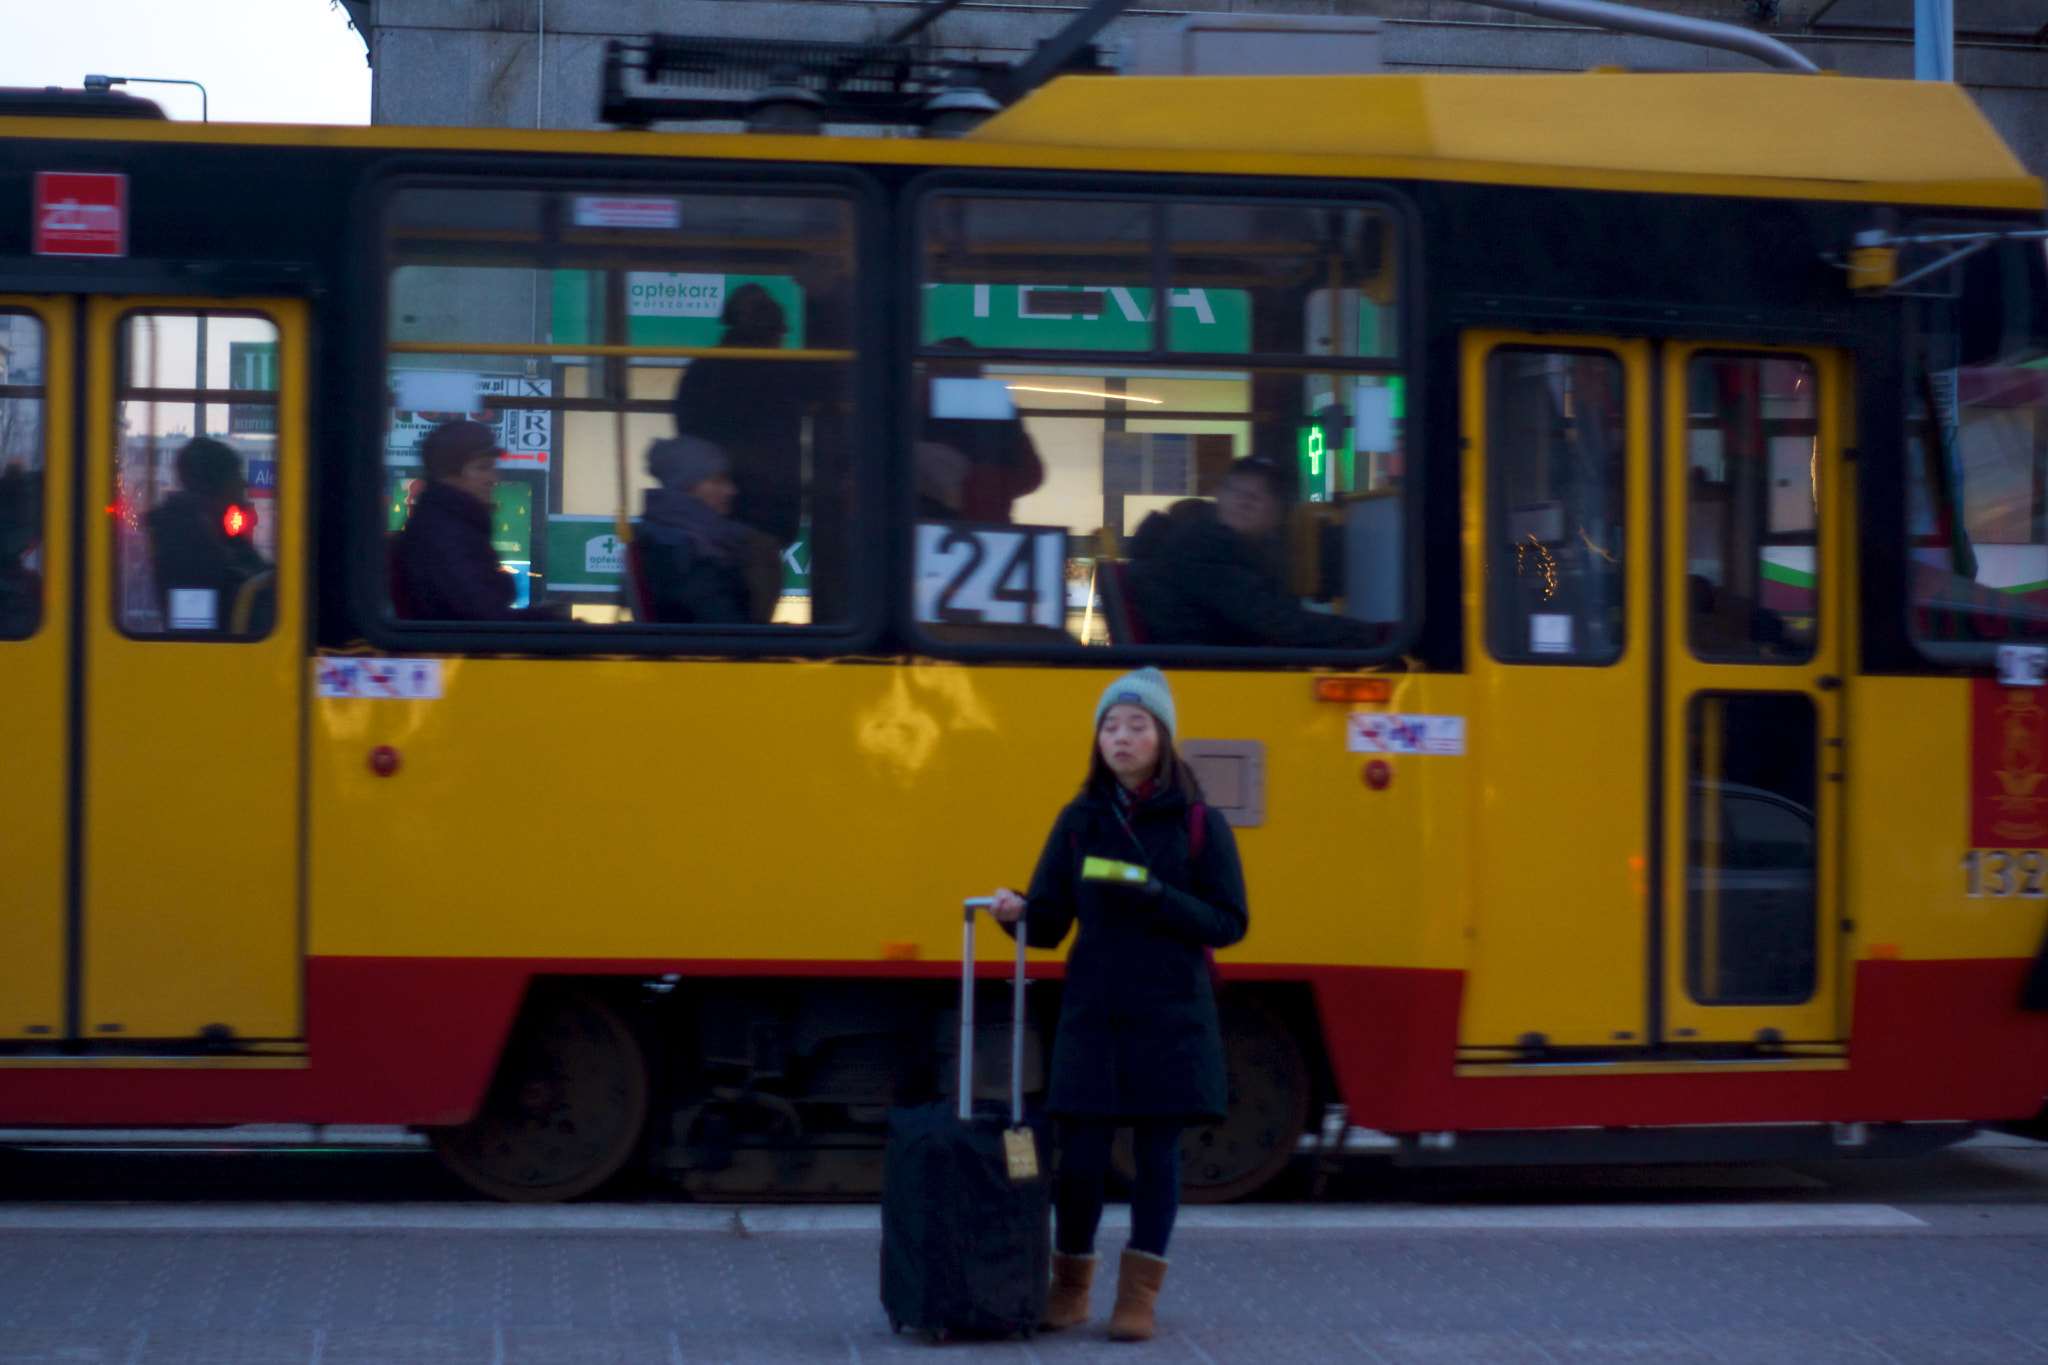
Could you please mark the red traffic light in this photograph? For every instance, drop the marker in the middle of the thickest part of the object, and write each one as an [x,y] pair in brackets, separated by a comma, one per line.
[238,519]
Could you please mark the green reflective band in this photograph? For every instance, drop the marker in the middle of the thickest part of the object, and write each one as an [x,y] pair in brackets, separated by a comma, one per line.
[1110,870]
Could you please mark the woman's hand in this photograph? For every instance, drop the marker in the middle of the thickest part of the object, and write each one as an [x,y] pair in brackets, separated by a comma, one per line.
[1008,907]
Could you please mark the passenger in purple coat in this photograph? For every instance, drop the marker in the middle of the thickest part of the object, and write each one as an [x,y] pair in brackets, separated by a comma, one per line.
[443,565]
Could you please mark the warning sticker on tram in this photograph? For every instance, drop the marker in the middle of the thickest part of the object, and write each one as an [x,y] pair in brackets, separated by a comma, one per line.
[991,574]
[1375,733]
[387,679]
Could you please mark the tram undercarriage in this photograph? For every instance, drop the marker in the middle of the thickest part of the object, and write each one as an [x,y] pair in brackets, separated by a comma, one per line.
[780,1089]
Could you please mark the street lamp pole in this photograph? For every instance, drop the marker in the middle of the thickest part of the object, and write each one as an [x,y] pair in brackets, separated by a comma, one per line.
[109,82]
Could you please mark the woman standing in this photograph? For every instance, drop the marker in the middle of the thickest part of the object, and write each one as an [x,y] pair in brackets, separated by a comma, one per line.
[1152,877]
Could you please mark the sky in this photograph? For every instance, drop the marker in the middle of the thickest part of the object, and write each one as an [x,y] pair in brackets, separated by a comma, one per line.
[261,61]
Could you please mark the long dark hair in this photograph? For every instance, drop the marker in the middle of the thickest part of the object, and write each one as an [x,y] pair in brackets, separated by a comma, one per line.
[1173,772]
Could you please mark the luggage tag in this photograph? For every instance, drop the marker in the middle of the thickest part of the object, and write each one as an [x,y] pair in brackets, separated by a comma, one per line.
[1110,870]
[1020,1153]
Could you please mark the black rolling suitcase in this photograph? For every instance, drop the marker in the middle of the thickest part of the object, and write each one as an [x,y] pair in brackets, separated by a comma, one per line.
[966,1225]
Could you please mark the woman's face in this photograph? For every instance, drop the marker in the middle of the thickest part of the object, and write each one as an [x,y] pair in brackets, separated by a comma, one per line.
[477,478]
[717,493]
[1247,506]
[1129,741]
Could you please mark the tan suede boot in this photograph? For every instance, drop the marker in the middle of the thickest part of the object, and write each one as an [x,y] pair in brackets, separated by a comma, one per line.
[1139,1278]
[1067,1305]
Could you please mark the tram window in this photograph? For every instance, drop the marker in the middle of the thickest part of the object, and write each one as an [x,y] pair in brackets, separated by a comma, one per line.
[665,377]
[1978,502]
[1064,498]
[21,475]
[1555,469]
[1751,901]
[1314,280]
[195,476]
[1752,509]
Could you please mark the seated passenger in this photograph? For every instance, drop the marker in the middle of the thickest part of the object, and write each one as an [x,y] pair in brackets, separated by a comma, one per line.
[693,556]
[444,561]
[1211,574]
[202,540]
[1002,463]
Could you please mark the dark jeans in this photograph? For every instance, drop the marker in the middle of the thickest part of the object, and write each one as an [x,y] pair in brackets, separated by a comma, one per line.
[1084,1164]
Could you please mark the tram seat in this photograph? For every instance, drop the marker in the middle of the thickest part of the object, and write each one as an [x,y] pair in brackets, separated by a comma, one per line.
[1119,604]
[243,614]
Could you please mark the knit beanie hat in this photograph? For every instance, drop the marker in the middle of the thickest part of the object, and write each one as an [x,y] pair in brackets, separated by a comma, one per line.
[1144,687]
[450,446]
[683,462]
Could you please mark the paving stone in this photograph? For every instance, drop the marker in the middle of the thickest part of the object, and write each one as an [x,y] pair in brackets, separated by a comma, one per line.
[60,1346]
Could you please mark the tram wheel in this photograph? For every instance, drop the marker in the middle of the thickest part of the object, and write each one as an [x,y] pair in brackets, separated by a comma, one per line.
[565,1111]
[1269,1094]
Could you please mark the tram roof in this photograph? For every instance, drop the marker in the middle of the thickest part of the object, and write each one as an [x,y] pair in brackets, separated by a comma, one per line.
[1735,133]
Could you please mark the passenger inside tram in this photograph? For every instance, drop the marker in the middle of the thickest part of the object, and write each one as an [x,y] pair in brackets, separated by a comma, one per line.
[21,533]
[999,463]
[444,567]
[692,554]
[1213,573]
[754,409]
[202,541]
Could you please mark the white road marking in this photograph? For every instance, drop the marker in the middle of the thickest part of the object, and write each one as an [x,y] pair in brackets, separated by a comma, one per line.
[730,1219]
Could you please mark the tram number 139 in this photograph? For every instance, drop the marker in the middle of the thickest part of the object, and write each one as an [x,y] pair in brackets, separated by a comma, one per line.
[2005,872]
[991,574]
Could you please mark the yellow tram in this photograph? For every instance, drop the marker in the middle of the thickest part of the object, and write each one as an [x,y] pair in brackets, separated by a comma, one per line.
[1644,759]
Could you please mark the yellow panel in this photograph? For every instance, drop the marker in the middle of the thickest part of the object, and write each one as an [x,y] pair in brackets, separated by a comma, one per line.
[33,705]
[1906,887]
[191,905]
[817,811]
[1822,1018]
[1721,124]
[1558,822]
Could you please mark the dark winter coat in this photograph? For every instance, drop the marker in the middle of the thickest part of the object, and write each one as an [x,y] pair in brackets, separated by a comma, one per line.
[686,586]
[445,559]
[1197,582]
[191,548]
[1138,1035]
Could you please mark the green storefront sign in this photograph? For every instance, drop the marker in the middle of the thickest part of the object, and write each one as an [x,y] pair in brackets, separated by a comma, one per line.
[1031,317]
[667,308]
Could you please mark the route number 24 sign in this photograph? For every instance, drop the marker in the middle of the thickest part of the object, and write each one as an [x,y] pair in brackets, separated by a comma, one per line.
[991,574]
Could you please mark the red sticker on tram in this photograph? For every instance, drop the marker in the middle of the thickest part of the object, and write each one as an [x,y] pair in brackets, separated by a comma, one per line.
[81,213]
[2009,766]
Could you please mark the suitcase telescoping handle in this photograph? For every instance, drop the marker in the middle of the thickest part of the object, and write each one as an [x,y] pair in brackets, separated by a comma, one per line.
[965,1089]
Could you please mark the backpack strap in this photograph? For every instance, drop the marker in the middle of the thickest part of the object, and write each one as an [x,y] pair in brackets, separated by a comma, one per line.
[1198,828]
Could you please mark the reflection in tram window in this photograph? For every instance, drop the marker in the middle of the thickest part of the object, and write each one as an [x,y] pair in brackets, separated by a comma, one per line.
[195,476]
[1751,900]
[21,475]
[1555,546]
[1977,511]
[1752,498]
[586,326]
[1121,441]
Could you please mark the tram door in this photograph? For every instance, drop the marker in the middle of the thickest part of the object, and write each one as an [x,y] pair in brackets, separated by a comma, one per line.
[1655,658]
[1753,638]
[1558,650]
[36,349]
[161,701]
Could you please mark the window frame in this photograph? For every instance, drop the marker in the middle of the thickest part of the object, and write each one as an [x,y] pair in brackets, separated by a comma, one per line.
[1822,512]
[40,396]
[1496,507]
[1406,363]
[367,591]
[272,398]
